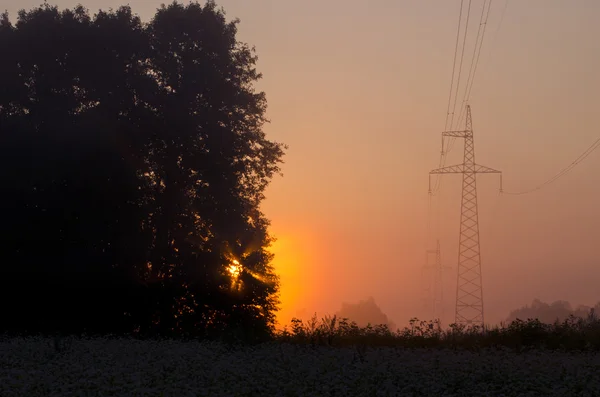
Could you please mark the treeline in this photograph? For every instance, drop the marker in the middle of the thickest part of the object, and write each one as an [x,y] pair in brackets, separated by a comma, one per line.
[133,164]
[572,334]
[550,313]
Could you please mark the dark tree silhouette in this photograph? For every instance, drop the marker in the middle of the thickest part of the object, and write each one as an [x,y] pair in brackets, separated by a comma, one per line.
[133,166]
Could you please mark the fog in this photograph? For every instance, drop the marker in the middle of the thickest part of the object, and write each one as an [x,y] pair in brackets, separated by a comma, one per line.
[359,92]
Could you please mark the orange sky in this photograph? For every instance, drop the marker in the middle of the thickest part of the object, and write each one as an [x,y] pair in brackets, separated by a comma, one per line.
[358,90]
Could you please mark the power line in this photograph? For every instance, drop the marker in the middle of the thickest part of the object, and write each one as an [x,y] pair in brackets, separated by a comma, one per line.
[476,52]
[491,49]
[454,64]
[428,217]
[472,72]
[461,62]
[443,152]
[500,22]
[466,98]
[475,47]
[562,172]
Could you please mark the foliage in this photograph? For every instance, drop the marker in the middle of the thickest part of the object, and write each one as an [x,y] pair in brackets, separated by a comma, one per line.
[549,313]
[571,334]
[133,165]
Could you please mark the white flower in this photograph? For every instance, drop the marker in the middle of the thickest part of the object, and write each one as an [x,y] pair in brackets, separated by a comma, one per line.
[124,367]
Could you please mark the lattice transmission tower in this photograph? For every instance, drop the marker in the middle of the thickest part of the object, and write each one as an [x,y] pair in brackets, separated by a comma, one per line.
[469,286]
[435,285]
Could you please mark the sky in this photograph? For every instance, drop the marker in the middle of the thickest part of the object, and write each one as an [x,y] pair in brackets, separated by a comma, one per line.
[359,92]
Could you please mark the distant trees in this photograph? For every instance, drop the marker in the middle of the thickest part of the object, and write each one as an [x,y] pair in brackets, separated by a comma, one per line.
[133,164]
[365,312]
[549,313]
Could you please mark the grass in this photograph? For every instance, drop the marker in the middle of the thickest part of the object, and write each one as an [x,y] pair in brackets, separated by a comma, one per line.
[572,334]
[327,357]
[319,358]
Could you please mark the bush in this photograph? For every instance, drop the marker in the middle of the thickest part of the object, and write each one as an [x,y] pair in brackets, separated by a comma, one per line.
[573,334]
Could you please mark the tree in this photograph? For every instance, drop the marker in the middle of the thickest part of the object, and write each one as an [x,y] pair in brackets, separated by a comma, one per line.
[69,168]
[135,163]
[549,313]
[365,312]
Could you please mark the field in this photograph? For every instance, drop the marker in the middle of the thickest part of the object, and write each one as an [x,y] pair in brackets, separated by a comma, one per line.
[127,367]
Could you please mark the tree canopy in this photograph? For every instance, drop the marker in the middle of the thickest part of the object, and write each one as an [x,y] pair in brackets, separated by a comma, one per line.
[133,166]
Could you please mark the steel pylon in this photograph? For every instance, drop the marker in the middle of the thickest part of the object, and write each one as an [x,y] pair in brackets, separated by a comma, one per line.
[435,298]
[469,286]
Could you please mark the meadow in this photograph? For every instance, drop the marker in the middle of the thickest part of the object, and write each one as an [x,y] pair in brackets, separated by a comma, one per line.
[317,358]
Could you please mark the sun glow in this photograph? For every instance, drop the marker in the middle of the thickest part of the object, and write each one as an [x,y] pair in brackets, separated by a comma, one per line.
[235,269]
[291,255]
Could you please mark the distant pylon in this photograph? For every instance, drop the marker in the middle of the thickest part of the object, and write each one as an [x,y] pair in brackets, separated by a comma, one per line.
[436,292]
[469,285]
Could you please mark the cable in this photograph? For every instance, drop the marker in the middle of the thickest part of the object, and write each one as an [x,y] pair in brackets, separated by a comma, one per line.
[499,24]
[428,221]
[461,62]
[462,56]
[443,152]
[475,47]
[472,72]
[491,49]
[563,172]
[474,60]
[454,64]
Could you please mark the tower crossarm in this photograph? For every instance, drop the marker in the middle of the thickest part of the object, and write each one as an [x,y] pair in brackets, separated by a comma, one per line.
[451,169]
[482,169]
[461,169]
[457,134]
[437,267]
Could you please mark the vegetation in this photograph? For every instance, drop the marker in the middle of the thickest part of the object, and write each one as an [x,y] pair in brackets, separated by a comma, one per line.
[318,358]
[571,334]
[549,313]
[125,367]
[133,164]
